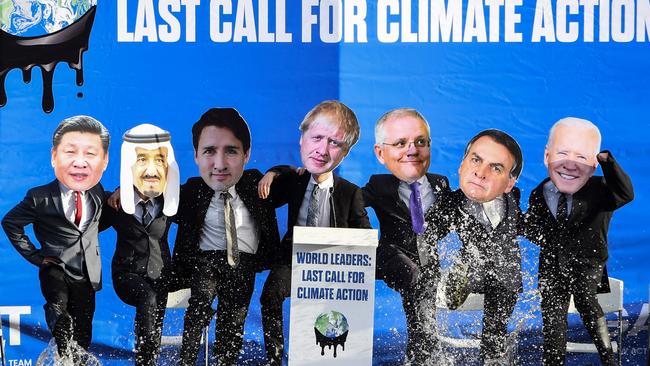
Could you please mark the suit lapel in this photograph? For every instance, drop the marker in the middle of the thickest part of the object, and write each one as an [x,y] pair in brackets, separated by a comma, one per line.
[252,205]
[55,192]
[578,207]
[436,187]
[298,195]
[95,196]
[393,191]
[335,199]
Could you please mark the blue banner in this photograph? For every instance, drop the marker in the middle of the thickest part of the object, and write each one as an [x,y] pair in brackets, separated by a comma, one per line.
[466,65]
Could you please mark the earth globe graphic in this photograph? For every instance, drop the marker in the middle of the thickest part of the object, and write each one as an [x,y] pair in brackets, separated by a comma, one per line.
[42,33]
[331,329]
[28,18]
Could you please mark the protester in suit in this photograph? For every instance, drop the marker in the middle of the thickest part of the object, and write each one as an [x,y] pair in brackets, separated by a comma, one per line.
[320,198]
[568,216]
[225,234]
[142,260]
[65,217]
[485,214]
[400,199]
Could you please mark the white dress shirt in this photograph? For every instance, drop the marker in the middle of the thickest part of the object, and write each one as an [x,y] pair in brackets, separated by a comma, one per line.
[153,210]
[69,206]
[324,208]
[426,193]
[213,235]
[427,198]
[552,196]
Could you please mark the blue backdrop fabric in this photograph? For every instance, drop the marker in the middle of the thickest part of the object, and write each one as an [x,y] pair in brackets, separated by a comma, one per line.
[461,88]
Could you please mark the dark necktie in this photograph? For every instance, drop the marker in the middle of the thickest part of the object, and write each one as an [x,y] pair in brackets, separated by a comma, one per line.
[78,207]
[314,207]
[154,262]
[146,212]
[562,209]
[415,203]
[232,248]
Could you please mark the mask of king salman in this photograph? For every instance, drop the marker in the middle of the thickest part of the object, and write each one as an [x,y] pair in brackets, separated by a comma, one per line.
[149,166]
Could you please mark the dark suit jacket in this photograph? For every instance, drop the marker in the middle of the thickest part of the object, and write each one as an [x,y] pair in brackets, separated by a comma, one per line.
[346,204]
[395,226]
[492,254]
[58,237]
[134,241]
[585,236]
[193,205]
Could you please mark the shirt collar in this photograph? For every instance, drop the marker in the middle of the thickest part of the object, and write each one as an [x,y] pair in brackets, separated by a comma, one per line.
[231,190]
[65,191]
[137,199]
[550,187]
[326,184]
[496,203]
[422,180]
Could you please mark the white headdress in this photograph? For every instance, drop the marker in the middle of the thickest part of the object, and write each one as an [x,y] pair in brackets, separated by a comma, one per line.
[148,137]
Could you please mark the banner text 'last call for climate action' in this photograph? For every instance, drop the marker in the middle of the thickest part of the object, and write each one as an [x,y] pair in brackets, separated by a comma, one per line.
[392,21]
[324,276]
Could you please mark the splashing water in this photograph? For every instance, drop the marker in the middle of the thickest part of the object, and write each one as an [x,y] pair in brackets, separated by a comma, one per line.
[464,328]
[50,356]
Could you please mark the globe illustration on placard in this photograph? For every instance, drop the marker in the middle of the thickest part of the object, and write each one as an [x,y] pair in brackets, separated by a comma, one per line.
[27,18]
[331,329]
[42,33]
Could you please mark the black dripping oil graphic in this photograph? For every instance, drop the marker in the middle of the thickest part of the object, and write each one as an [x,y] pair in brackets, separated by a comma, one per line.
[65,45]
[324,341]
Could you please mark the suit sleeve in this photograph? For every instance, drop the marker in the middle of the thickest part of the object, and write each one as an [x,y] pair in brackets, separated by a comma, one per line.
[530,225]
[358,216]
[280,189]
[369,193]
[439,217]
[617,181]
[107,216]
[14,223]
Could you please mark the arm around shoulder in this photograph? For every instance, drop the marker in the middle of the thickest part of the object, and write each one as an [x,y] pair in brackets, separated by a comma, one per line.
[358,214]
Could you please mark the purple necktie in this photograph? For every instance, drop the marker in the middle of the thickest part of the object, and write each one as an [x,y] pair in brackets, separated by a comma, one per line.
[415,203]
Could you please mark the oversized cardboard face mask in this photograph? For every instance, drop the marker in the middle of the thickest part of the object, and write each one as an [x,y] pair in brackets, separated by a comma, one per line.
[150,171]
[571,157]
[485,170]
[148,168]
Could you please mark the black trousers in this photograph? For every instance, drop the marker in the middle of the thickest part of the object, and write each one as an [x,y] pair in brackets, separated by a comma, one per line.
[276,288]
[417,286]
[150,299]
[557,284]
[233,287]
[499,303]
[66,295]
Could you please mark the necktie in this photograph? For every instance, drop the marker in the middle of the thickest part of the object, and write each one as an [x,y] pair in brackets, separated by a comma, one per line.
[78,206]
[146,212]
[415,203]
[492,210]
[231,230]
[314,207]
[562,209]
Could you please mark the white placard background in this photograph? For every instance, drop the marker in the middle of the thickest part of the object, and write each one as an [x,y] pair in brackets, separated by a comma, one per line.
[333,244]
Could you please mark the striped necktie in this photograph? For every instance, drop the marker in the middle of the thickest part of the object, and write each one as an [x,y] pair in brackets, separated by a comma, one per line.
[231,230]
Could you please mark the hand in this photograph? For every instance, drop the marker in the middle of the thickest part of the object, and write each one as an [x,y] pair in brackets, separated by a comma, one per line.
[264,186]
[602,156]
[301,171]
[114,199]
[49,260]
